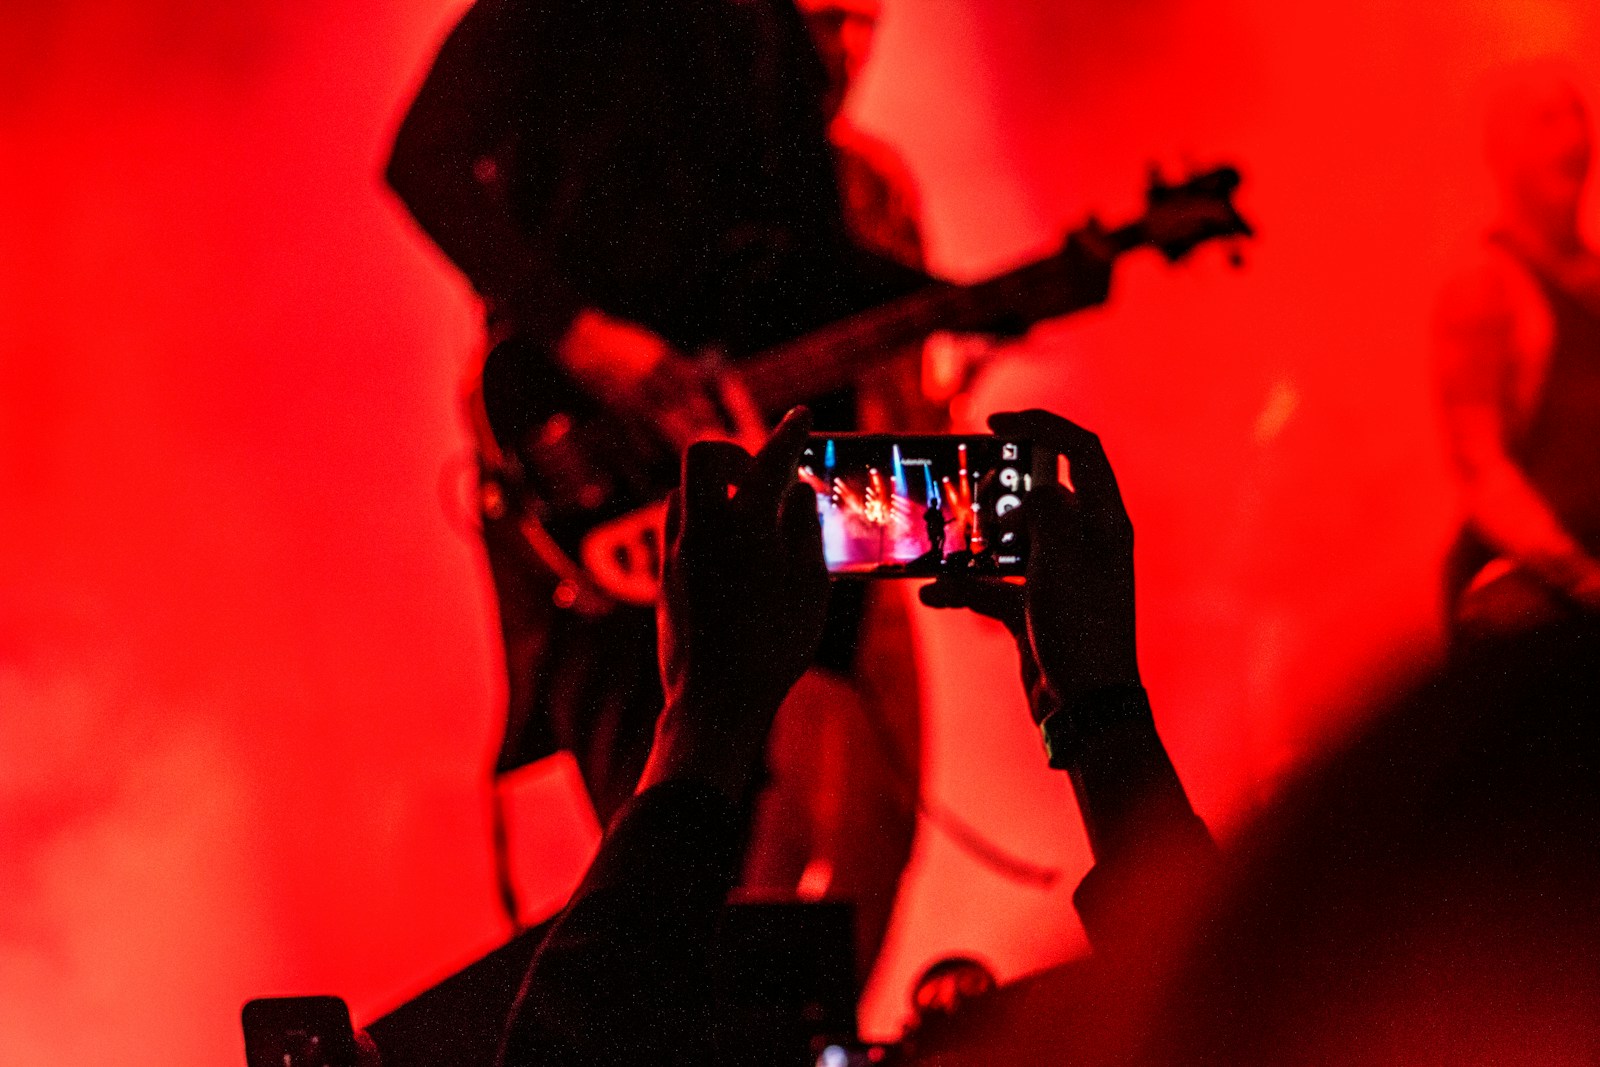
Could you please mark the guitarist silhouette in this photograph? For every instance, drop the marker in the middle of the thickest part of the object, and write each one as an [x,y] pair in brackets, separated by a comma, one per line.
[629,188]
[625,186]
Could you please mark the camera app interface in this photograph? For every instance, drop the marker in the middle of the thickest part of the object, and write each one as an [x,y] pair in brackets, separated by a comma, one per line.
[914,506]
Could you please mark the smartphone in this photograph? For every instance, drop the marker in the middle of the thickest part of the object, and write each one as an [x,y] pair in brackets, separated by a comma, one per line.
[298,1032]
[920,505]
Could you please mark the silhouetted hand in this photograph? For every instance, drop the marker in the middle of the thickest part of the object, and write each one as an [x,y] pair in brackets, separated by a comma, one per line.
[744,595]
[1074,618]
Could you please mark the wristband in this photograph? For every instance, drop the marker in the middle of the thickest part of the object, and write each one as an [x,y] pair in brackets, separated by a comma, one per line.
[1068,730]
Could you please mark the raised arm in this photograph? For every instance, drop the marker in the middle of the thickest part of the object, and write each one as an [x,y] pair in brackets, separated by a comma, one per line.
[621,978]
[1478,353]
[1073,621]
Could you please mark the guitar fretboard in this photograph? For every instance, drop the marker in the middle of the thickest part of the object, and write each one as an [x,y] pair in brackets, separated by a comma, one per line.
[835,356]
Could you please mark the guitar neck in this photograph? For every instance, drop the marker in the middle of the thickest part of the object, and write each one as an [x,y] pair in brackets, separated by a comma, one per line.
[836,356]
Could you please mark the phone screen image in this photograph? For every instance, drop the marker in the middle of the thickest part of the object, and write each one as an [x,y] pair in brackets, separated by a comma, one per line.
[918,505]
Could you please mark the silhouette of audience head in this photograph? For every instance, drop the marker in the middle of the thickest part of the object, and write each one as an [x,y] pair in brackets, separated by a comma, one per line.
[1427,894]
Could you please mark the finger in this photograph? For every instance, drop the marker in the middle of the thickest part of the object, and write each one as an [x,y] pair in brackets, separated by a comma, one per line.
[1056,549]
[776,466]
[801,530]
[709,468]
[991,597]
[1093,481]
[1055,521]
[1039,426]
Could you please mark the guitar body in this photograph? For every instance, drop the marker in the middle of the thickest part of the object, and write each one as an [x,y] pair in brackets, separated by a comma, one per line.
[588,482]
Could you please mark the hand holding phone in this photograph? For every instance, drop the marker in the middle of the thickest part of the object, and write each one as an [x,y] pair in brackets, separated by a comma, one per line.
[744,597]
[1074,619]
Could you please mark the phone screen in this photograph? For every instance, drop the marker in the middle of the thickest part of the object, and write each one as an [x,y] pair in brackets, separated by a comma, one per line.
[918,505]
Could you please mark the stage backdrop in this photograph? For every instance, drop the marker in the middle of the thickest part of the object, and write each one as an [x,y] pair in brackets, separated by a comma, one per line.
[248,680]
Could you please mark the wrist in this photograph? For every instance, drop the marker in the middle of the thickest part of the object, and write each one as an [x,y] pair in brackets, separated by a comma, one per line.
[1102,654]
[713,739]
[1073,731]
[1128,792]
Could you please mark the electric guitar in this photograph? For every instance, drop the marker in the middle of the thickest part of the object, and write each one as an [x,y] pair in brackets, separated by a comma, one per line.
[586,484]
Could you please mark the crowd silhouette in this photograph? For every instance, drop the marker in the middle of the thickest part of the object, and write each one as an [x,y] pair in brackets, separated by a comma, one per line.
[1424,895]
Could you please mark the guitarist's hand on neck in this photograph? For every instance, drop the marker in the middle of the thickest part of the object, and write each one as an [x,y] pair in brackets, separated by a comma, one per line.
[610,355]
[636,372]
[1088,257]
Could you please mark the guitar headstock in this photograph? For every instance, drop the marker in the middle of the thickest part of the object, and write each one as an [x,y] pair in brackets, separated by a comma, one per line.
[1180,217]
